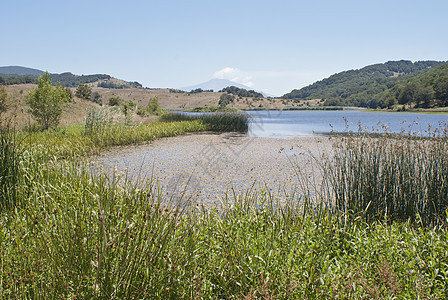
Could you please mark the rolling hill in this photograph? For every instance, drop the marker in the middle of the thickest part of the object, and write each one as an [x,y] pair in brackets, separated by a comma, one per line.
[18,75]
[366,87]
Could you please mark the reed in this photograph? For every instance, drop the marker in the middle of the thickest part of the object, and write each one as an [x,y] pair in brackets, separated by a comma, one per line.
[10,159]
[219,122]
[392,177]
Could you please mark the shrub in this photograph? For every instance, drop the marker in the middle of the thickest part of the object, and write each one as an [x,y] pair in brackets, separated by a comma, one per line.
[83,91]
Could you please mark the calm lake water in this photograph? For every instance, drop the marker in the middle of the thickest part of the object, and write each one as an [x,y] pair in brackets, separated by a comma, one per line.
[289,124]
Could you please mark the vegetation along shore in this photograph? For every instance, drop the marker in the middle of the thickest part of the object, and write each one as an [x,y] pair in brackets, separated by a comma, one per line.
[373,226]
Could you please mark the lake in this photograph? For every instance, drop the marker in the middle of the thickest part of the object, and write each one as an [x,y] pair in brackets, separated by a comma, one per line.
[288,124]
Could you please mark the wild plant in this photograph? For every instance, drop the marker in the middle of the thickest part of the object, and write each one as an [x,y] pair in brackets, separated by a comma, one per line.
[393,177]
[219,122]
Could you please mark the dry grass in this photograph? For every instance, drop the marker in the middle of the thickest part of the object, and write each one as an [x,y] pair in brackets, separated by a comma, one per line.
[77,111]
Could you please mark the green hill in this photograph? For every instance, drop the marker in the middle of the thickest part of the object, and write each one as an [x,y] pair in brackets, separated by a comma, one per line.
[19,75]
[379,85]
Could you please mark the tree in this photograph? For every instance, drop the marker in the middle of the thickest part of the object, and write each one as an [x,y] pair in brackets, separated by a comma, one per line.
[47,102]
[441,90]
[83,91]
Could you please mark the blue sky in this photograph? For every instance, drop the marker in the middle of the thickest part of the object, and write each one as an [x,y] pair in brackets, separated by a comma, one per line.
[272,46]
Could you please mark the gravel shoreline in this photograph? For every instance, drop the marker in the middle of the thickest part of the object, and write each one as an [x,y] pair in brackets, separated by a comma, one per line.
[204,167]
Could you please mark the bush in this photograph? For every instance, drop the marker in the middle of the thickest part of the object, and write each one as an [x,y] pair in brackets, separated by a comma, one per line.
[83,91]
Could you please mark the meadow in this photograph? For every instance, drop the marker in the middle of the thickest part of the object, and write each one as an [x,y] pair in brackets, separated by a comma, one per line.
[375,229]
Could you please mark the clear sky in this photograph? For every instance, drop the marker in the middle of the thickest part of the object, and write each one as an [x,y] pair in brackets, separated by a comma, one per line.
[272,46]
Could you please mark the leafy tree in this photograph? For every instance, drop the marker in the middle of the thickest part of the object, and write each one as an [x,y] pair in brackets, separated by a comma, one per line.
[47,102]
[83,91]
[154,106]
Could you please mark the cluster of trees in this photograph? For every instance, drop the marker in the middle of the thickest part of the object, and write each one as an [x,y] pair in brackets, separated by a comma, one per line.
[226,99]
[199,90]
[381,85]
[241,92]
[112,85]
[70,80]
[17,80]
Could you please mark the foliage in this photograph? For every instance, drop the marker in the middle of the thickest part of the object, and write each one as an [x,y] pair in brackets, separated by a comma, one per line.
[199,90]
[112,85]
[241,92]
[153,108]
[70,80]
[219,121]
[17,80]
[47,102]
[373,86]
[225,99]
[83,91]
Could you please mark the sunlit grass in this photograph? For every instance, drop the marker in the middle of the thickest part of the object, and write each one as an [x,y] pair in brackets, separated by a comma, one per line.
[78,235]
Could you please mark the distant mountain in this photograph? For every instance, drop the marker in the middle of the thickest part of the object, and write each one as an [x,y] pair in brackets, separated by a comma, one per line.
[216,85]
[366,87]
[17,71]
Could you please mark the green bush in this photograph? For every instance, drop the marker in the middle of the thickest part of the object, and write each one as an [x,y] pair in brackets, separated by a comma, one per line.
[83,91]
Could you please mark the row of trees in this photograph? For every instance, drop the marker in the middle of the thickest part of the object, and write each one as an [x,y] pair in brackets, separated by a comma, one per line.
[241,92]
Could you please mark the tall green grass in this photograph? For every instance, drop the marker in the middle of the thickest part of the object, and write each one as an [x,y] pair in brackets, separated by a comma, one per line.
[79,141]
[10,158]
[87,237]
[76,235]
[219,121]
[393,177]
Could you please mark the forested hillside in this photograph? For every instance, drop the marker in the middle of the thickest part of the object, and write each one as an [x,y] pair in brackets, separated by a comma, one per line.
[420,84]
[21,75]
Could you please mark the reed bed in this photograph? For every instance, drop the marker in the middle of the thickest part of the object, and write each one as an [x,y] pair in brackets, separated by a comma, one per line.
[218,121]
[392,177]
[77,141]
